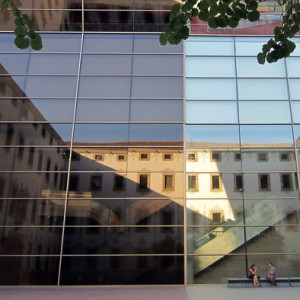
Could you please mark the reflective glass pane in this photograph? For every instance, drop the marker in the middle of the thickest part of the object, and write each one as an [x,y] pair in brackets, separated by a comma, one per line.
[14,63]
[34,185]
[296,111]
[102,110]
[12,86]
[216,269]
[264,112]
[156,110]
[295,88]
[297,134]
[138,240]
[164,65]
[262,89]
[214,240]
[33,159]
[118,87]
[267,212]
[150,21]
[296,52]
[24,109]
[31,212]
[155,132]
[205,89]
[61,42]
[210,67]
[157,87]
[151,44]
[107,43]
[106,159]
[124,211]
[211,112]
[248,67]
[266,136]
[122,270]
[34,270]
[113,4]
[273,239]
[212,136]
[97,134]
[214,212]
[53,64]
[293,66]
[108,20]
[264,159]
[50,86]
[7,44]
[268,185]
[249,46]
[35,134]
[106,65]
[18,240]
[209,46]
[112,184]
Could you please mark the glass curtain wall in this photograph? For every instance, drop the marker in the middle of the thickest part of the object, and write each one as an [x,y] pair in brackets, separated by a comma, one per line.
[92,164]
[242,171]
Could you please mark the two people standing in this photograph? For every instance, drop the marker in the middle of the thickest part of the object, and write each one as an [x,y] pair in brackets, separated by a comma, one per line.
[271,275]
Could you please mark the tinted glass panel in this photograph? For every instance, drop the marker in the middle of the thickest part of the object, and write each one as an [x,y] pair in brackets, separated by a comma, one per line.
[156,110]
[31,212]
[268,135]
[296,111]
[123,240]
[155,132]
[165,65]
[37,109]
[209,46]
[295,89]
[35,134]
[249,46]
[106,64]
[225,266]
[14,63]
[18,240]
[100,133]
[33,159]
[210,67]
[264,112]
[29,270]
[102,110]
[248,67]
[293,66]
[262,89]
[34,185]
[212,136]
[211,112]
[104,87]
[157,87]
[122,270]
[205,89]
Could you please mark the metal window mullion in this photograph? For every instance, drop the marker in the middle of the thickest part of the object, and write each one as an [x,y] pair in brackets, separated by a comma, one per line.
[69,164]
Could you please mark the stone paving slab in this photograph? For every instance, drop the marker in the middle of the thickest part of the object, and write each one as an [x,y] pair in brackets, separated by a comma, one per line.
[203,292]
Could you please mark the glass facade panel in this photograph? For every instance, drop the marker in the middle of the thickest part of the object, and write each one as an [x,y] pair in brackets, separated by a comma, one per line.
[264,112]
[248,67]
[211,112]
[92,142]
[266,136]
[265,89]
[30,270]
[210,67]
[205,89]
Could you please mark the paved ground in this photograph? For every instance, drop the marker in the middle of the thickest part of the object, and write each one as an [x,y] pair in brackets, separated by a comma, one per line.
[205,292]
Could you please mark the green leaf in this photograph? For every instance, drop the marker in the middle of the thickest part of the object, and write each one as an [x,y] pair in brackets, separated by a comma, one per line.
[203,15]
[253,16]
[20,31]
[163,39]
[261,58]
[175,9]
[22,42]
[36,44]
[233,22]
[18,22]
[212,22]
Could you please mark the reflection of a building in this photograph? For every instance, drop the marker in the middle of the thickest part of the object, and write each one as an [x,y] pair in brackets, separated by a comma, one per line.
[117,185]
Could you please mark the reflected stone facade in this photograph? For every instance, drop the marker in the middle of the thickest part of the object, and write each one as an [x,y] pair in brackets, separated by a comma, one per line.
[125,162]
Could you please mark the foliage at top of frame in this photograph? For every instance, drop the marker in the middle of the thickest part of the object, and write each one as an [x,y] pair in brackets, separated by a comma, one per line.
[228,13]
[26,35]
